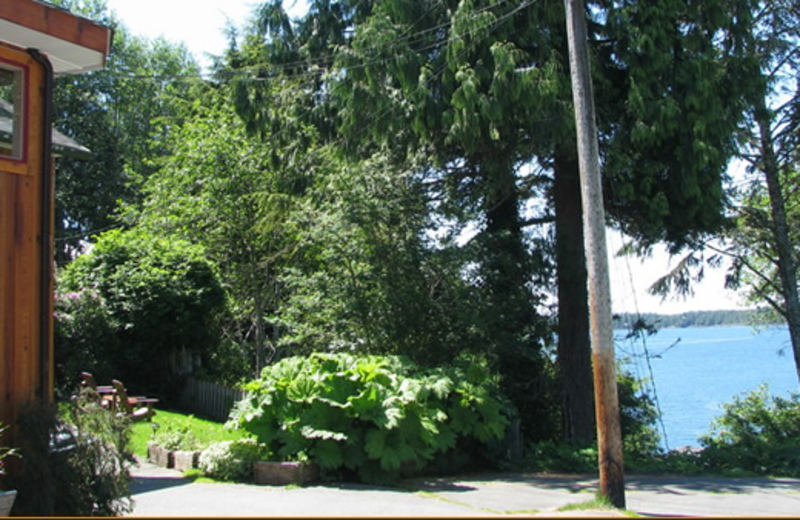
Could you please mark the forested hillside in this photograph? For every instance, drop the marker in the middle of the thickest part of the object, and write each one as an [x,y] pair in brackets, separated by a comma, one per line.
[689,319]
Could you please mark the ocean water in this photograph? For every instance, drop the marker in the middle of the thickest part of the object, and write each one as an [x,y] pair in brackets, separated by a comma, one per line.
[697,369]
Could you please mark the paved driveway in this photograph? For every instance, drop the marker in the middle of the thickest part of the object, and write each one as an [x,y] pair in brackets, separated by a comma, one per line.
[163,493]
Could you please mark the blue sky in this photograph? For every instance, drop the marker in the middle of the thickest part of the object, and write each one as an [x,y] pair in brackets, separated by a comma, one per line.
[199,25]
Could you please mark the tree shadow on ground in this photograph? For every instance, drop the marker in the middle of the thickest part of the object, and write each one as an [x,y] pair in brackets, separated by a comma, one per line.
[141,485]
[672,485]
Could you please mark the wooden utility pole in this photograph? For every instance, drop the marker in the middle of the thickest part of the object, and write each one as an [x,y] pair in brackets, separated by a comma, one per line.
[609,434]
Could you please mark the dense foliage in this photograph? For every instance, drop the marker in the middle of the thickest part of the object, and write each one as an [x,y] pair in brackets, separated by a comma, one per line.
[396,178]
[225,191]
[761,244]
[136,308]
[475,96]
[758,433]
[375,416]
[638,416]
[640,438]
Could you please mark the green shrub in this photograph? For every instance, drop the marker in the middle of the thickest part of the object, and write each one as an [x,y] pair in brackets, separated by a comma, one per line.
[85,339]
[756,433]
[675,462]
[232,460]
[640,438]
[374,415]
[638,416]
[132,307]
[74,463]
[175,437]
[558,457]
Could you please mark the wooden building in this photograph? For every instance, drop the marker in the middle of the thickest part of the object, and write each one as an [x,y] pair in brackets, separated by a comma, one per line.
[37,41]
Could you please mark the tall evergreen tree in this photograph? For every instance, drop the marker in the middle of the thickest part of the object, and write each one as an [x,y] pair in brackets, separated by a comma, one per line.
[765,244]
[481,88]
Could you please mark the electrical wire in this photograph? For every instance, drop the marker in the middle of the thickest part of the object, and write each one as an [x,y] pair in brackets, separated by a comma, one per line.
[489,28]
[650,381]
[311,67]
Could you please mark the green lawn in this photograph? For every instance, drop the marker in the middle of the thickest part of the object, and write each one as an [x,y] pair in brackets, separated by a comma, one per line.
[204,431]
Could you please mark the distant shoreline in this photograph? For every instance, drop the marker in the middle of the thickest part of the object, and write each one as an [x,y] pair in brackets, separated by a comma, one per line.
[688,319]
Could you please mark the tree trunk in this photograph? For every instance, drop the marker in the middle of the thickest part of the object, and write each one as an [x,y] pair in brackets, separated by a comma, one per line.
[260,339]
[510,311]
[503,228]
[504,261]
[62,258]
[787,265]
[574,346]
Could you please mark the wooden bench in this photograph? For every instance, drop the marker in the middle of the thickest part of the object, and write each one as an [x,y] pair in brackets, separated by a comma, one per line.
[105,394]
[137,408]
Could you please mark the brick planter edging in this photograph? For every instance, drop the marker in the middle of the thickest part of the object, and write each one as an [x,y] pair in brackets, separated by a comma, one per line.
[284,473]
[184,460]
[160,456]
[179,460]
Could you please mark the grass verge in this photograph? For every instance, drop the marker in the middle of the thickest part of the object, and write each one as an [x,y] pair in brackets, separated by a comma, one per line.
[205,431]
[598,503]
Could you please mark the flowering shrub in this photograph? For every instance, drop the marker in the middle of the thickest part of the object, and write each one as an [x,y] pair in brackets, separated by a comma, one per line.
[85,338]
[232,460]
[134,305]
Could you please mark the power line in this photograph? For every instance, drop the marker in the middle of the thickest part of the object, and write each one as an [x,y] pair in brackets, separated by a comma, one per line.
[649,382]
[489,27]
[409,39]
[86,234]
[311,66]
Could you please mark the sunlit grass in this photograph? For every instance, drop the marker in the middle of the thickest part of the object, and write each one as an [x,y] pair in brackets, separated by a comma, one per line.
[599,503]
[204,430]
[595,503]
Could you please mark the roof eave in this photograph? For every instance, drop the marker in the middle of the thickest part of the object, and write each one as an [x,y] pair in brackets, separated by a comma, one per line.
[72,43]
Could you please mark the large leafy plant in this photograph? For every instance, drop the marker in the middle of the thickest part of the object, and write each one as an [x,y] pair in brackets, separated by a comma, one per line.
[375,415]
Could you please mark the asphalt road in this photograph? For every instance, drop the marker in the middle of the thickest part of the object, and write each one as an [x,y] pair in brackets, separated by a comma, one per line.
[159,492]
